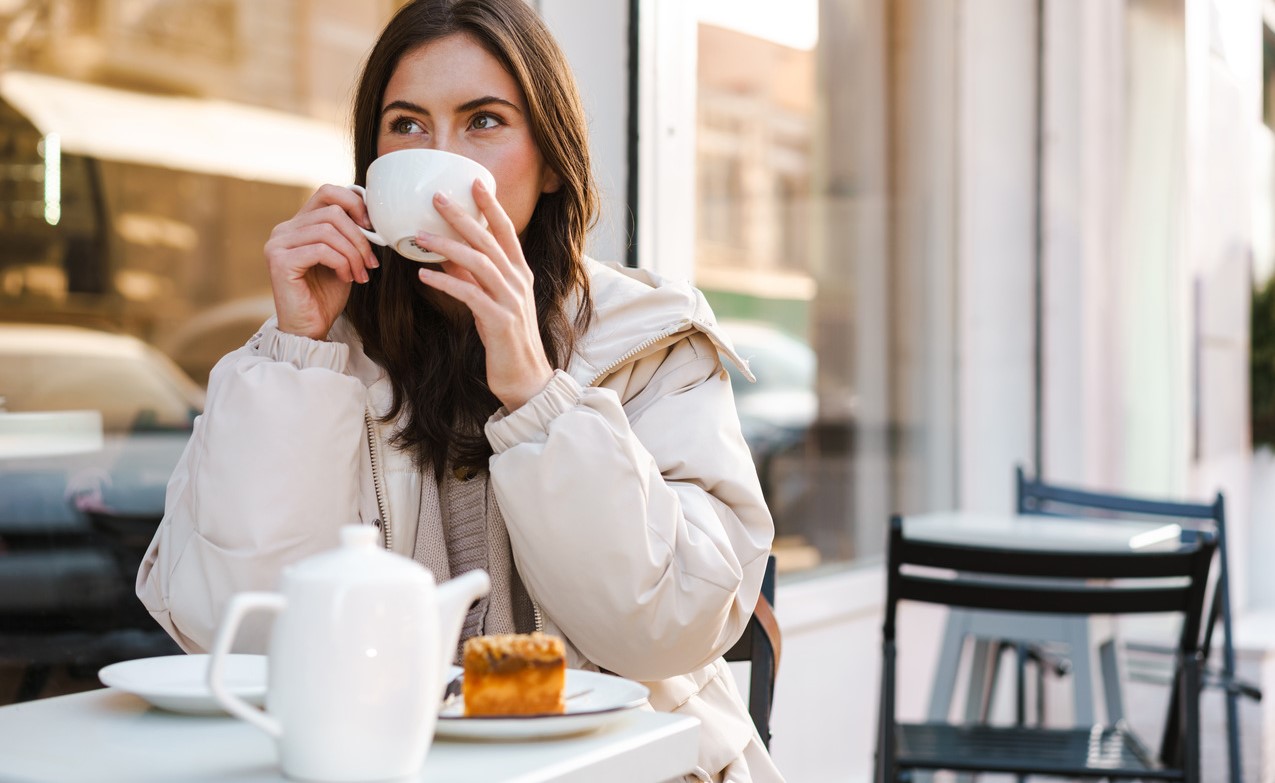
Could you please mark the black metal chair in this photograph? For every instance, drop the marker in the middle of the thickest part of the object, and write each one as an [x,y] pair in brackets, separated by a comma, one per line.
[760,646]
[1148,661]
[1020,580]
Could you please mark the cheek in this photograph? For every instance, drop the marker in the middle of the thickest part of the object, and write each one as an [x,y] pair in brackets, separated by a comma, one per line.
[518,190]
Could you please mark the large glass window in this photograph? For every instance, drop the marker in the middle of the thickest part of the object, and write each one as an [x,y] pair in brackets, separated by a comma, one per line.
[797,196]
[135,197]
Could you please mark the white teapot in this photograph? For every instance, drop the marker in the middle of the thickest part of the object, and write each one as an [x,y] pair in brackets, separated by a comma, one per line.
[357,660]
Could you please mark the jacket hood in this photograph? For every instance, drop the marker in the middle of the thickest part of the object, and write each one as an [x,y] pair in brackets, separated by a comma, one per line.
[637,310]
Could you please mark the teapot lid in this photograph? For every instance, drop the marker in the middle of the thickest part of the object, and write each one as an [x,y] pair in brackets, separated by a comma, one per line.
[357,558]
[358,537]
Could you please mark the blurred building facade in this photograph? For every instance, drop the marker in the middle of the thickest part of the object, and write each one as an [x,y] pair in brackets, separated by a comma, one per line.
[182,132]
[298,56]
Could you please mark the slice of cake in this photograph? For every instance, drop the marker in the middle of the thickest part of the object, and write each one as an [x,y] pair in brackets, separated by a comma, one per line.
[514,674]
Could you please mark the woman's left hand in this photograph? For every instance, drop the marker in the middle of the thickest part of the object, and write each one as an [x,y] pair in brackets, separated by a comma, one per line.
[489,274]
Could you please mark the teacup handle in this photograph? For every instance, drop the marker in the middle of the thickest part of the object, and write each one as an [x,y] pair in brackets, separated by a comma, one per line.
[241,605]
[371,235]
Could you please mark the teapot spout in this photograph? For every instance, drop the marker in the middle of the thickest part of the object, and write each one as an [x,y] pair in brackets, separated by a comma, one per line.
[454,599]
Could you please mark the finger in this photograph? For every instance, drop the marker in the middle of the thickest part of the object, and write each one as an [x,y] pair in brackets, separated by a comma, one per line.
[301,260]
[460,256]
[469,294]
[335,216]
[336,195]
[498,222]
[346,210]
[338,218]
[469,228]
[326,233]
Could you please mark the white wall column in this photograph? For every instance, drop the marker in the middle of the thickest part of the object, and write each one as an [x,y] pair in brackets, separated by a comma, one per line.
[1083,154]
[595,38]
[1224,105]
[996,88]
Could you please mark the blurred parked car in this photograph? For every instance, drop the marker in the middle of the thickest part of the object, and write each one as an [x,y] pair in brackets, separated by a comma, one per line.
[147,406]
[199,344]
[794,449]
[73,526]
[777,409]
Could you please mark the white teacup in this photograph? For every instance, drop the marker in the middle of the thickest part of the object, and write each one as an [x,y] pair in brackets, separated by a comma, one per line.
[400,197]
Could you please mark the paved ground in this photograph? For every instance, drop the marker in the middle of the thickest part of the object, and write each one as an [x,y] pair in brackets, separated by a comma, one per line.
[1146,706]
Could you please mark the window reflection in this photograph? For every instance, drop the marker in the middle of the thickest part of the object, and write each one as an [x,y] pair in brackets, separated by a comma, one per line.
[134,201]
[791,251]
[753,254]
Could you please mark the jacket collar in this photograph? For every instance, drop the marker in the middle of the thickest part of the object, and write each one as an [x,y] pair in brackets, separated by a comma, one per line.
[637,311]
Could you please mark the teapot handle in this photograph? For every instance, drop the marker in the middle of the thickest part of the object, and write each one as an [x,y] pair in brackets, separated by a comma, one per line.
[241,605]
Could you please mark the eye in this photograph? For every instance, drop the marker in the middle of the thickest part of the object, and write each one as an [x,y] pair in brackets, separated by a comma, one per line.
[484,121]
[405,125]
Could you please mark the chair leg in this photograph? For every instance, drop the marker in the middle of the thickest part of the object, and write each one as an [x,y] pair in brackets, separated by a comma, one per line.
[1111,682]
[978,697]
[941,692]
[1040,692]
[1170,743]
[1232,698]
[885,772]
[1190,719]
[1082,678]
[1233,736]
[1020,675]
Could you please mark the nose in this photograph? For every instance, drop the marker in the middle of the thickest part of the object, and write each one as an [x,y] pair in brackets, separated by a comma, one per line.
[446,142]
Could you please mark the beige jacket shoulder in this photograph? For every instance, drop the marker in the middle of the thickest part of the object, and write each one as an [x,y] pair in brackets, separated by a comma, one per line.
[634,513]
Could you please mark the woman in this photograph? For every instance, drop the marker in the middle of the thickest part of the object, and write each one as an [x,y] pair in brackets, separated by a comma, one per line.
[566,425]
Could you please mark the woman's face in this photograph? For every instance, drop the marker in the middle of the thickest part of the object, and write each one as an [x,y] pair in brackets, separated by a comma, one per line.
[452,95]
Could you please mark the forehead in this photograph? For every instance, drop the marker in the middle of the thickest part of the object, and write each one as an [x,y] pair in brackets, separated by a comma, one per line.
[448,72]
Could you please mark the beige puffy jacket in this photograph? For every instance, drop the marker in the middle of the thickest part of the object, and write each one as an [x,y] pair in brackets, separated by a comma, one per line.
[634,512]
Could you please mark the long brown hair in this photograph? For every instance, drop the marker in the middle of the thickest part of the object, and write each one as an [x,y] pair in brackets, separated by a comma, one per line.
[438,368]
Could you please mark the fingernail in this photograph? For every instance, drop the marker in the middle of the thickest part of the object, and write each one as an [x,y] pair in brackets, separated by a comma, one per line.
[374,262]
[442,199]
[424,237]
[482,186]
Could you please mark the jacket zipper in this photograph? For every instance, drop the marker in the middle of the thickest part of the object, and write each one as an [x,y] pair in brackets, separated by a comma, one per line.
[376,479]
[635,350]
[668,332]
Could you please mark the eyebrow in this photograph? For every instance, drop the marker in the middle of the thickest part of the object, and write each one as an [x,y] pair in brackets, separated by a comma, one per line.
[476,103]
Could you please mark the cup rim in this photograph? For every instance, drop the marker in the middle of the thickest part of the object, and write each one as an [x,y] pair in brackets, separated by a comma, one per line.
[430,151]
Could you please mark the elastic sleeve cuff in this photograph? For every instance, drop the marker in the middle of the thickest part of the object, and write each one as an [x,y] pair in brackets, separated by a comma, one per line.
[530,423]
[300,352]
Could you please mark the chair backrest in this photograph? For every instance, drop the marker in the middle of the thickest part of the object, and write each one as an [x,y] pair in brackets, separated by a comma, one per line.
[1043,581]
[760,646]
[1035,496]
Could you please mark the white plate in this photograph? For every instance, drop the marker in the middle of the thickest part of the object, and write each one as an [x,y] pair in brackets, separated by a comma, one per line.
[180,682]
[593,701]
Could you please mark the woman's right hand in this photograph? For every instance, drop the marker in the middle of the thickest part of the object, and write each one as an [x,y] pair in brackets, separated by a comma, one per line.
[315,257]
